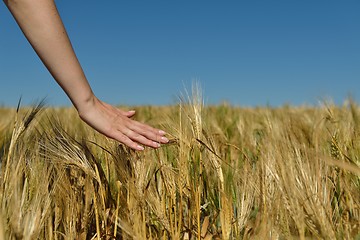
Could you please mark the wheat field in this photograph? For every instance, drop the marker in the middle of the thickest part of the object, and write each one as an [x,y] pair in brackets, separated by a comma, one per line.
[227,173]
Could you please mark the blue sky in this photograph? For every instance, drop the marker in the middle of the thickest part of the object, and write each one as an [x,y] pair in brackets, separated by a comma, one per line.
[249,53]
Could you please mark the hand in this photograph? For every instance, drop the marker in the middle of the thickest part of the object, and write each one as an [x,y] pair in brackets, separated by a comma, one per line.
[118,125]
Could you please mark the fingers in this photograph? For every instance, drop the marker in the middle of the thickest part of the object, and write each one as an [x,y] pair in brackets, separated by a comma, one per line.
[136,137]
[133,140]
[133,133]
[149,132]
[118,136]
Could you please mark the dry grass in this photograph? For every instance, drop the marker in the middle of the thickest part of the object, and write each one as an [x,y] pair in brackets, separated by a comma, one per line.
[228,173]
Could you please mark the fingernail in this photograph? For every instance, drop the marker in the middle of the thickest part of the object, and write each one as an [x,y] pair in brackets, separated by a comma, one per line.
[141,148]
[156,144]
[164,139]
[161,132]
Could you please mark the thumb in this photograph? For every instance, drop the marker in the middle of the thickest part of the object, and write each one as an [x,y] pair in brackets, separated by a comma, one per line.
[126,113]
[130,113]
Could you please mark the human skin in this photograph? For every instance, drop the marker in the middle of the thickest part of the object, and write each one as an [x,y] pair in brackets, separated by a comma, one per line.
[41,24]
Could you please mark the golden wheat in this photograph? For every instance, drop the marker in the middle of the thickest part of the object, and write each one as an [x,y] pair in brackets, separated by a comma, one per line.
[227,173]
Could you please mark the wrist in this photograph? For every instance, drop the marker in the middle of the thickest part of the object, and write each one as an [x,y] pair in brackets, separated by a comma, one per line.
[86,104]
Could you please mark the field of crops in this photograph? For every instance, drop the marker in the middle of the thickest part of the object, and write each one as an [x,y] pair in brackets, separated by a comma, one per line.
[227,173]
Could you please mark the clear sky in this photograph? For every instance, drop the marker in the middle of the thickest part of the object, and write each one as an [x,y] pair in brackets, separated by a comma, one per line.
[248,53]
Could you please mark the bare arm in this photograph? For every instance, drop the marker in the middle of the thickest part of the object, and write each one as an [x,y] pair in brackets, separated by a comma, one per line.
[41,24]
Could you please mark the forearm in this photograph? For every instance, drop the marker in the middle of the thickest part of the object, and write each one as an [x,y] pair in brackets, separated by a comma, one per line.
[41,24]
